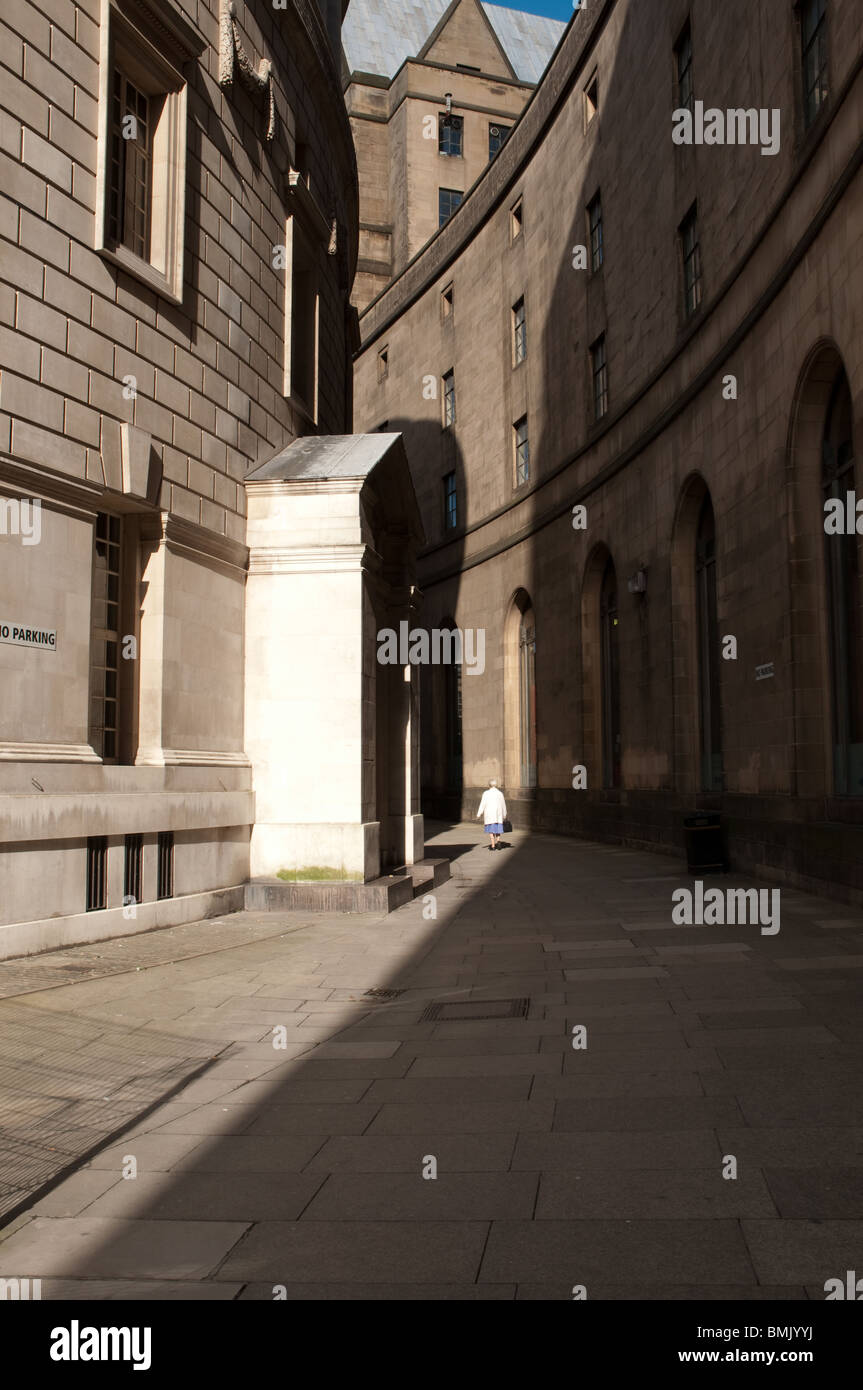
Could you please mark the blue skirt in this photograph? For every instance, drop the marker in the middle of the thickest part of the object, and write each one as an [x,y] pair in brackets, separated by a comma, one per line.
[495,829]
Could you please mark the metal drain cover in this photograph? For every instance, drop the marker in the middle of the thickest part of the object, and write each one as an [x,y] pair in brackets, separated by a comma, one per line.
[470,1009]
[382,993]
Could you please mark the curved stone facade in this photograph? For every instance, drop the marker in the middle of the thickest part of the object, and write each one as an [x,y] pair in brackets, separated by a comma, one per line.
[724,312]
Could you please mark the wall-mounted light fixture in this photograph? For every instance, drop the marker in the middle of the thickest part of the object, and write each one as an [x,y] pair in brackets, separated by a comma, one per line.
[638,583]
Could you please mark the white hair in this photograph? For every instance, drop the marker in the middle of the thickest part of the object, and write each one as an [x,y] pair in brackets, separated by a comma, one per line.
[493,782]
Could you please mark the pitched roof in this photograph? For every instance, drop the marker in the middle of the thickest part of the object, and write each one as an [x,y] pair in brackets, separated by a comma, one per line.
[378,35]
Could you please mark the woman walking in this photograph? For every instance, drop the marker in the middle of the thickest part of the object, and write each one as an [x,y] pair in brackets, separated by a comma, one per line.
[493,808]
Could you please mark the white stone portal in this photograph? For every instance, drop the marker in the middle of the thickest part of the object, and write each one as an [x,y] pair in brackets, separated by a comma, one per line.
[333,736]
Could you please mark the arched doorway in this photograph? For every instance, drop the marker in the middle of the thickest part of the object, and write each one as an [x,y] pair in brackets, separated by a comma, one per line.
[609,623]
[843,598]
[520,743]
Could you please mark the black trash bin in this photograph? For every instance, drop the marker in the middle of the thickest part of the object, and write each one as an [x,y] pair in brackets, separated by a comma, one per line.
[704,849]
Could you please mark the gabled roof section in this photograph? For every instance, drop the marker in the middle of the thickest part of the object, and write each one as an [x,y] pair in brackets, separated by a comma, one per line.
[378,35]
[465,33]
[528,40]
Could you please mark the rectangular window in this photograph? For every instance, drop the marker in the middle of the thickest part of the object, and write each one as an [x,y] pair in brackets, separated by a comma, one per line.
[516,220]
[97,860]
[683,70]
[450,135]
[448,200]
[446,302]
[130,191]
[383,364]
[106,638]
[141,181]
[133,854]
[496,138]
[449,399]
[691,252]
[450,505]
[522,451]
[301,320]
[599,374]
[594,229]
[813,39]
[165,879]
[519,333]
[591,100]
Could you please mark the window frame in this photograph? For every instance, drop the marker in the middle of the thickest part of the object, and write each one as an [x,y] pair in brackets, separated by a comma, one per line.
[521,443]
[687,258]
[516,219]
[516,338]
[448,405]
[810,114]
[154,64]
[684,37]
[496,125]
[450,493]
[591,103]
[452,192]
[449,121]
[599,373]
[596,260]
[126,673]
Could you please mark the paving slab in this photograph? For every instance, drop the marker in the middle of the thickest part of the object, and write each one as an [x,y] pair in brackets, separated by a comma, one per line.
[417,1252]
[668,1252]
[107,1246]
[303,1166]
[411,1197]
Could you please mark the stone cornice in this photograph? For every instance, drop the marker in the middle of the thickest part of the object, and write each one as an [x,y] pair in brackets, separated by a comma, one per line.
[187,536]
[290,487]
[48,753]
[189,757]
[314,559]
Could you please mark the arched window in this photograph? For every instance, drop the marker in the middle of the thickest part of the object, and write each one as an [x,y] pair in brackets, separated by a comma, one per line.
[842,583]
[610,675]
[527,697]
[710,727]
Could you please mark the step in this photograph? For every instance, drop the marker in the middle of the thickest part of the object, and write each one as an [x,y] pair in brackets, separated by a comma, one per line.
[379,895]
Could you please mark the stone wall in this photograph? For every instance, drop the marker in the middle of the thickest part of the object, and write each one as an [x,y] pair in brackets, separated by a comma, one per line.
[117,397]
[782,283]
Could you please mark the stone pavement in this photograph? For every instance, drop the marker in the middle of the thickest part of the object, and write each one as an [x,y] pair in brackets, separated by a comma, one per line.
[303,1165]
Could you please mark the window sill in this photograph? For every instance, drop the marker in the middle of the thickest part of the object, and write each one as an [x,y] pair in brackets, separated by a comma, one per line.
[141,270]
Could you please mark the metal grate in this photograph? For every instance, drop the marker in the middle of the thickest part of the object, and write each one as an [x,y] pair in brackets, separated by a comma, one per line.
[382,993]
[97,854]
[132,869]
[166,864]
[470,1009]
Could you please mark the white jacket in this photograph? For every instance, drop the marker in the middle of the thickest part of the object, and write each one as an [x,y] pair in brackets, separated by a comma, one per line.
[492,807]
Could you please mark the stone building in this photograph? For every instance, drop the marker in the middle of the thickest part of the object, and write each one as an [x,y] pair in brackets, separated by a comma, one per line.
[433,88]
[629,375]
[179,213]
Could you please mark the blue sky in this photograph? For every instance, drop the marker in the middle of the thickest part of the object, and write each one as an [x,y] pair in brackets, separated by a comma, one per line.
[554,9]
